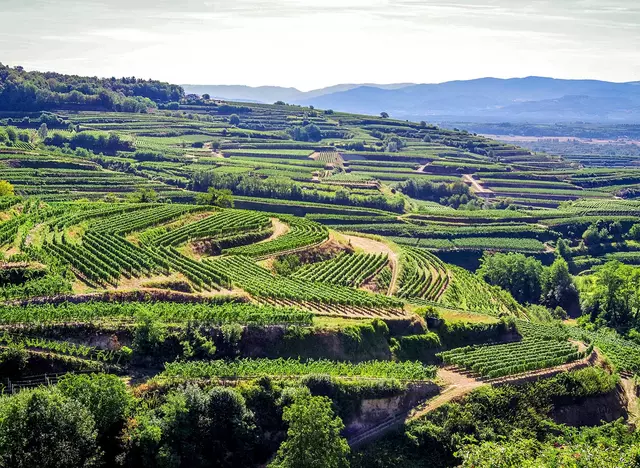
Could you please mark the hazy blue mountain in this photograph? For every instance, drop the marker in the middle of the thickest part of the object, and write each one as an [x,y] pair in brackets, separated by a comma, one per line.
[271,94]
[486,99]
[531,98]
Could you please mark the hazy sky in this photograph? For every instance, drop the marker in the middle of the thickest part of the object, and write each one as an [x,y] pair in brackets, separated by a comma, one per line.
[315,43]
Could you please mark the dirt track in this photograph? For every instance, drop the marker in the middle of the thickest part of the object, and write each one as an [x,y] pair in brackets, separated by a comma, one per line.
[475,185]
[279,229]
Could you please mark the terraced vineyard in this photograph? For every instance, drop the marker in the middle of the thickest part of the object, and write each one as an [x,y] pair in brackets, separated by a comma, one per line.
[303,252]
[513,358]
[424,276]
[347,270]
[467,292]
[259,282]
[303,233]
[223,224]
[289,367]
[170,312]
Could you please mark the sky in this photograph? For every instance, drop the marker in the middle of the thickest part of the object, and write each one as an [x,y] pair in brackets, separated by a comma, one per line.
[310,44]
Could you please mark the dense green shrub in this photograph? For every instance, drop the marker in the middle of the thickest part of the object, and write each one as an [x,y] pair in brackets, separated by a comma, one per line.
[416,347]
[193,428]
[13,360]
[456,334]
[42,428]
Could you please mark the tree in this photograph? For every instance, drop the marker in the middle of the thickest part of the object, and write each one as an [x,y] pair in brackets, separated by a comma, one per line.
[559,313]
[42,428]
[313,437]
[558,289]
[43,131]
[6,189]
[310,132]
[515,272]
[216,197]
[194,428]
[423,124]
[563,250]
[109,402]
[634,232]
[616,230]
[384,115]
[234,119]
[11,134]
[144,195]
[104,395]
[149,333]
[594,235]
[206,97]
[612,297]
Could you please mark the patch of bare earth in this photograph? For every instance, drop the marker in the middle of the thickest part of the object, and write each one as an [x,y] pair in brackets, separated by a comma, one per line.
[456,385]
[279,230]
[475,185]
[126,284]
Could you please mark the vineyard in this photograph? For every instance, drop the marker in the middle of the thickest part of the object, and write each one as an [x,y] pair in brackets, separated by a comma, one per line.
[257,249]
[302,234]
[423,276]
[261,283]
[347,270]
[169,312]
[494,361]
[290,367]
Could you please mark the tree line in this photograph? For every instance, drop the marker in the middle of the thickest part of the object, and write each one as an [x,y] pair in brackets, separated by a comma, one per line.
[283,188]
[22,90]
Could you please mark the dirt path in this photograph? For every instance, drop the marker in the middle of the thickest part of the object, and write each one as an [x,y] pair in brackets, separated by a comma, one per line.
[372,246]
[456,386]
[279,230]
[475,185]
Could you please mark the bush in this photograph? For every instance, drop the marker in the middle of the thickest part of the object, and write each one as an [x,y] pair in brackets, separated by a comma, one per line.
[13,360]
[428,312]
[416,347]
[456,334]
[194,428]
[42,428]
[149,333]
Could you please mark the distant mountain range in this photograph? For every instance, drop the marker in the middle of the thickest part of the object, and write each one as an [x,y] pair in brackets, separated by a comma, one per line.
[271,94]
[532,99]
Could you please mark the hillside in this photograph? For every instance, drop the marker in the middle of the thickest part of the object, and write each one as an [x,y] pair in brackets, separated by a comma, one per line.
[199,282]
